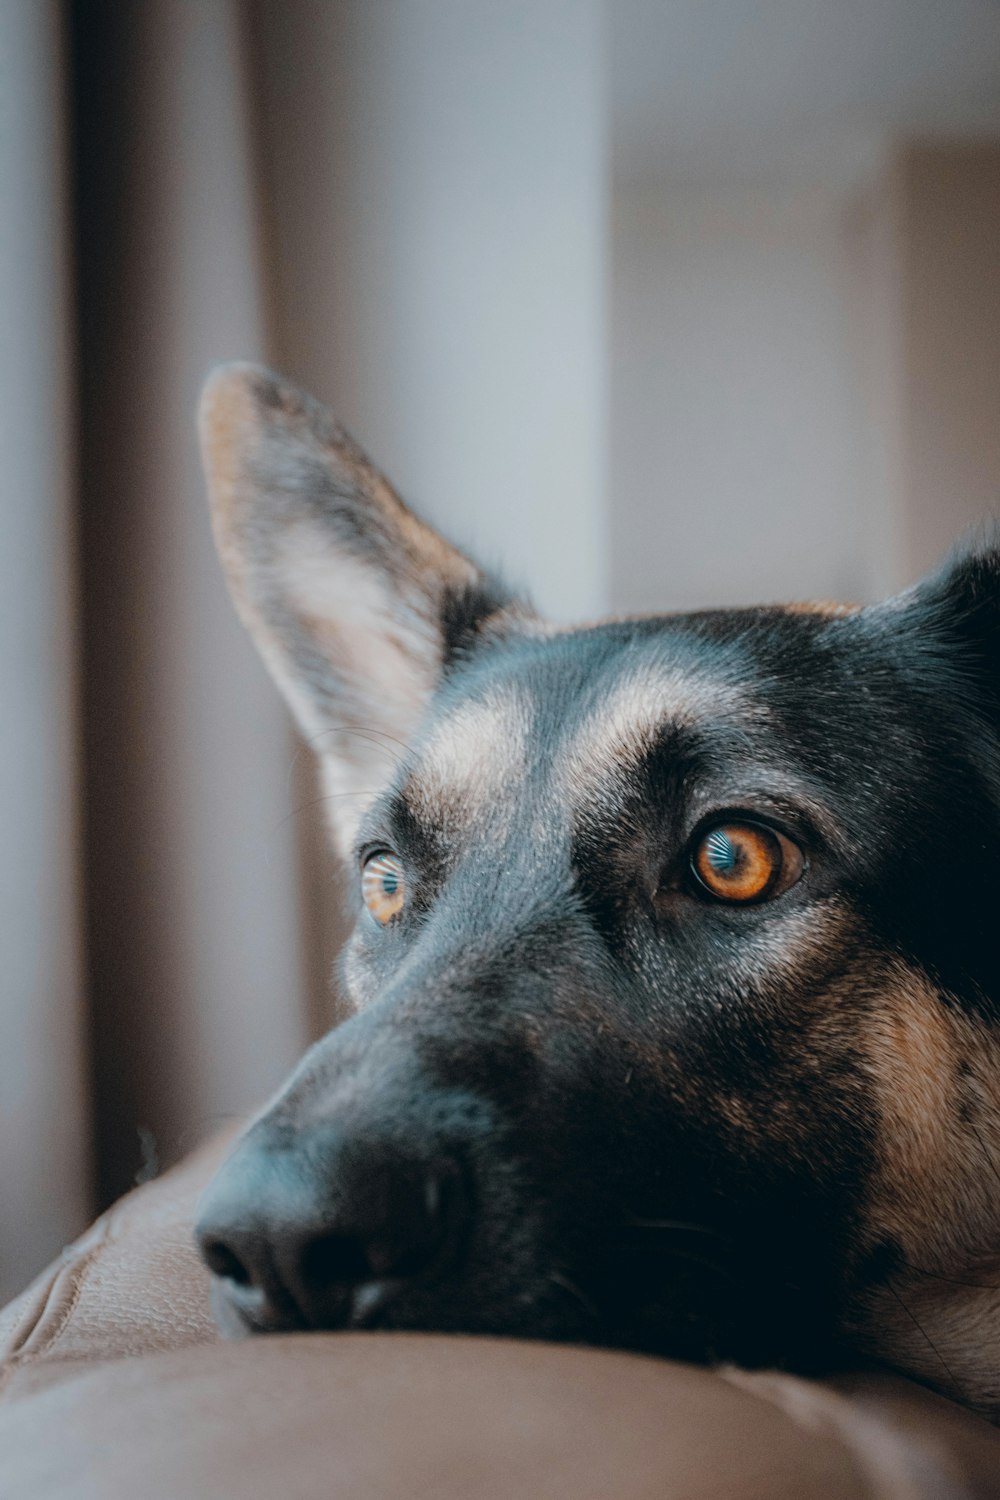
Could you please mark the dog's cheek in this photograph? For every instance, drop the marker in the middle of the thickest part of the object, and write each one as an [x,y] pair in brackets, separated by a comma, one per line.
[782,1074]
[930,1191]
[359,982]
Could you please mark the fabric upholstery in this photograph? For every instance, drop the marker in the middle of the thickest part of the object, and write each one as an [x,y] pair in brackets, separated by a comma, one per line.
[132,1284]
[396,1416]
[113,1383]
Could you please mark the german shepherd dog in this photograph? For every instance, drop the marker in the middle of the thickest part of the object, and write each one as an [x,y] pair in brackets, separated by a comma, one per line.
[675,974]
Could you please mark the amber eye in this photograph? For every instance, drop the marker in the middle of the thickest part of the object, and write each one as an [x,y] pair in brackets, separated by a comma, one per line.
[745,862]
[383,886]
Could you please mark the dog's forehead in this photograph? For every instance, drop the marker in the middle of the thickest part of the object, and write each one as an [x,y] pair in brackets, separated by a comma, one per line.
[571,713]
[476,750]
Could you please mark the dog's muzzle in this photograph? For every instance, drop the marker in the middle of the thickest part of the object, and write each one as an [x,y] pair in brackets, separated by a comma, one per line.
[325,1227]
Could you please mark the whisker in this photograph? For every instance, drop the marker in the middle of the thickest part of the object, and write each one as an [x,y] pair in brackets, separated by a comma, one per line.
[564,1283]
[314,802]
[982,1146]
[679,1225]
[699,1260]
[926,1336]
[983,1286]
[365,732]
[384,735]
[667,1247]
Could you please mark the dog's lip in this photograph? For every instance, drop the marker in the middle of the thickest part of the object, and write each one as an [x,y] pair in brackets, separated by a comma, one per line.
[263,1306]
[241,1310]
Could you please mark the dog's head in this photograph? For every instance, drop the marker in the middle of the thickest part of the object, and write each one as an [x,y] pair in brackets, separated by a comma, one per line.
[674,972]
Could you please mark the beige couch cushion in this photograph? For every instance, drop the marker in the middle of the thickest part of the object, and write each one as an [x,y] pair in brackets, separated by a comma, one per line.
[132,1284]
[383,1417]
[113,1383]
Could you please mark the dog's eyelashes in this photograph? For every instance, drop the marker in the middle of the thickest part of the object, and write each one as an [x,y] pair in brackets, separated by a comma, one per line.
[383,885]
[743,862]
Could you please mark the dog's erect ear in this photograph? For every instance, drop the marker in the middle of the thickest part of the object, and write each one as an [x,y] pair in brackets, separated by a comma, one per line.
[356,605]
[957,610]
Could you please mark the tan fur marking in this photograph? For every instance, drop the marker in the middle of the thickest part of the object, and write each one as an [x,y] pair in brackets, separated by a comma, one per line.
[637,710]
[469,767]
[933,1190]
[936,1192]
[830,608]
[533,625]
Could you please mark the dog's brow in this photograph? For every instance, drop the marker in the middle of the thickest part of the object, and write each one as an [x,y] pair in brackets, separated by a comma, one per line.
[636,713]
[789,795]
[472,758]
[786,795]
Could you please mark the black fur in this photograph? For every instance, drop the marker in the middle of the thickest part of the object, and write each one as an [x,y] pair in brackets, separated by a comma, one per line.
[662,1121]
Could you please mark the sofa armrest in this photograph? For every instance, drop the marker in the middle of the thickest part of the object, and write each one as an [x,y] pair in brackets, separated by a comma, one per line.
[133,1284]
[414,1417]
[114,1382]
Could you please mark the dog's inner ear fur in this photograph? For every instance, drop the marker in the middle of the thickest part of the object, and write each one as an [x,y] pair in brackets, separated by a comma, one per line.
[356,605]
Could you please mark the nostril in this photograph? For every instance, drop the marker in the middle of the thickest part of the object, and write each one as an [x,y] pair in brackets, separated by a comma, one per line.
[397,1223]
[336,1259]
[225,1263]
[326,1234]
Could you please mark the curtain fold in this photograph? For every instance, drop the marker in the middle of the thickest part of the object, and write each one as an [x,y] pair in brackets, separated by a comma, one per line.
[197,1002]
[44,1136]
[182,182]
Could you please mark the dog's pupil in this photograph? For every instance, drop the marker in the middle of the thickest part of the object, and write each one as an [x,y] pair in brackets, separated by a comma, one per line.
[722,852]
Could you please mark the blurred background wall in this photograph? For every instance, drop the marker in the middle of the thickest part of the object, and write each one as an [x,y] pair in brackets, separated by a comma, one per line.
[653,303]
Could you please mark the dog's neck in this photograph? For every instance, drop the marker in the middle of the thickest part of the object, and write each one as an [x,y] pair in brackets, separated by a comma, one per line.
[937,1315]
[945,1331]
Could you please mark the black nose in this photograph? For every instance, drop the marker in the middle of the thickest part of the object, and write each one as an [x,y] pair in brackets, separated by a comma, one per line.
[319,1232]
